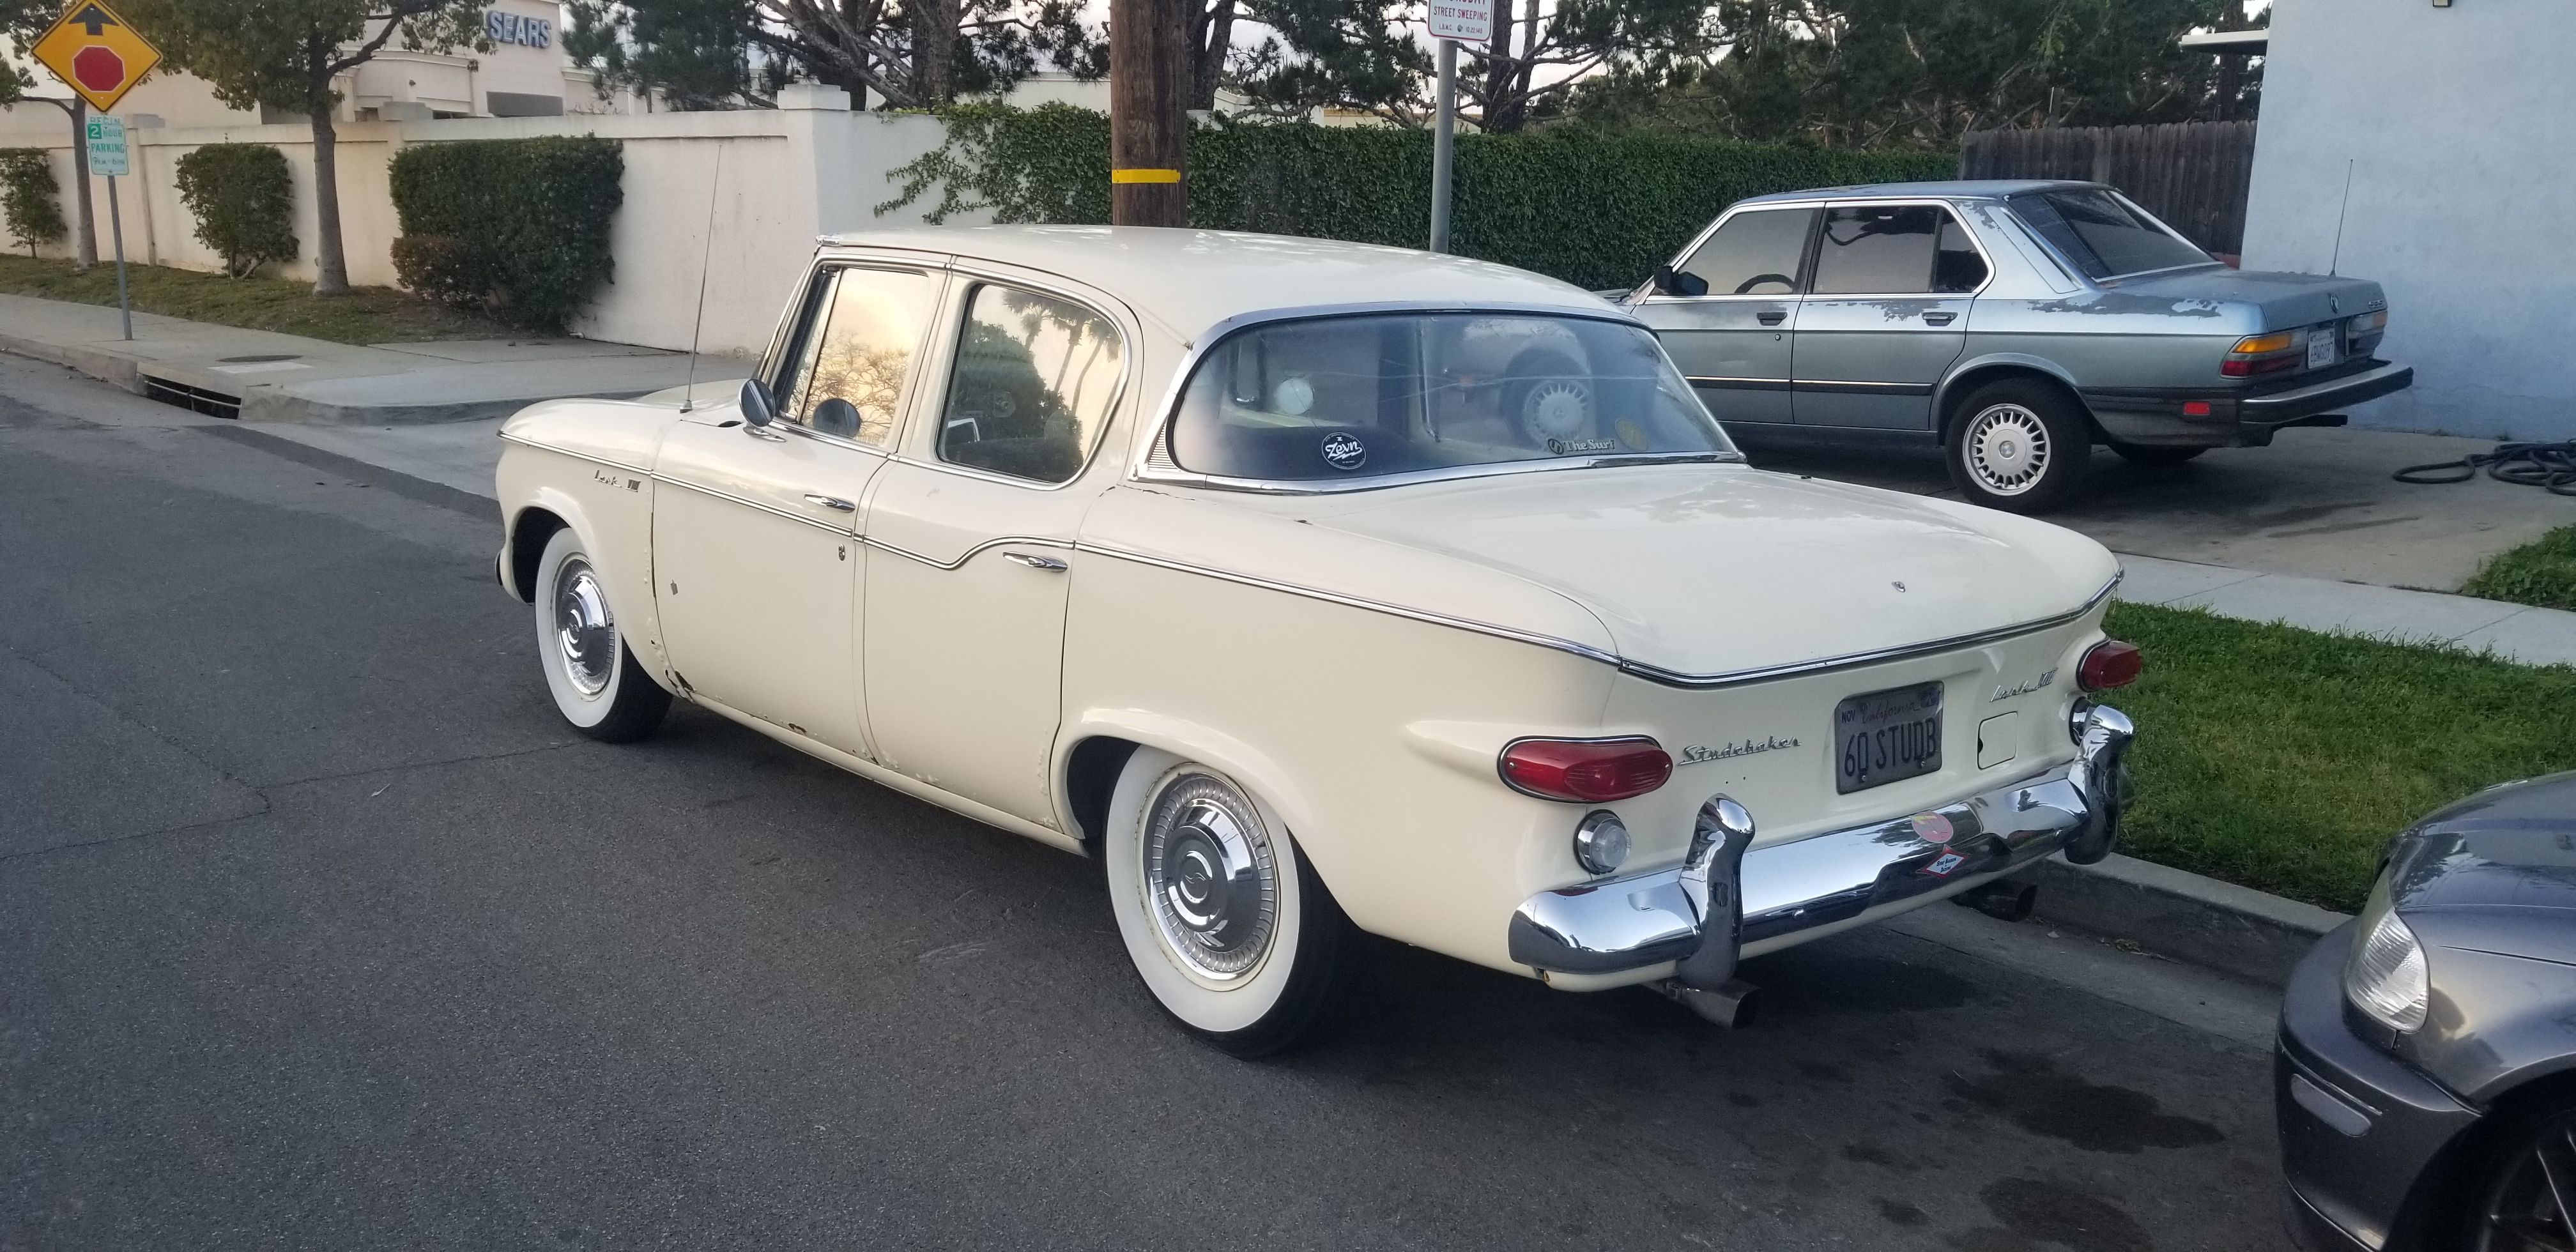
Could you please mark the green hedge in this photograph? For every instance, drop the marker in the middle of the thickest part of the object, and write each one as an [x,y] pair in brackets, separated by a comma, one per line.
[1594,210]
[244,203]
[517,227]
[27,195]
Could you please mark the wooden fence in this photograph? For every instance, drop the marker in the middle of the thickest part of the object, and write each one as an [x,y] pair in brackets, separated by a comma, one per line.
[2192,174]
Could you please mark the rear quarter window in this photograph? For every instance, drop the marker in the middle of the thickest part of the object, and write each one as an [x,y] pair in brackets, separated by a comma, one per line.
[2102,234]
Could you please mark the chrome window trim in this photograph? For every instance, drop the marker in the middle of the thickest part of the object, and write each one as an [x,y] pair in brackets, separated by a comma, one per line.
[1947,206]
[766,372]
[1651,673]
[1692,249]
[974,275]
[830,440]
[1158,428]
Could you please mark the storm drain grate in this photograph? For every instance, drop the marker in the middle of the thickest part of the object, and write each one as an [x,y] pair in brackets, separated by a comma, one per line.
[193,399]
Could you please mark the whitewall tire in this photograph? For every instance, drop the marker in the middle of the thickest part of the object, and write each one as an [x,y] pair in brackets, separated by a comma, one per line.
[1225,922]
[597,683]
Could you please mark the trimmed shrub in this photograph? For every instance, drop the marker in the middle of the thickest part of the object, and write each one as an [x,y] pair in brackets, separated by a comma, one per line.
[1594,210]
[27,195]
[517,227]
[244,203]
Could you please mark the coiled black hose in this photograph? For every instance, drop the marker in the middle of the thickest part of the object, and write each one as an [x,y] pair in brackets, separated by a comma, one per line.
[2549,466]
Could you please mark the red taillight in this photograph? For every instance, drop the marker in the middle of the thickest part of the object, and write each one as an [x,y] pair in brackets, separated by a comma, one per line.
[1586,770]
[2111,663]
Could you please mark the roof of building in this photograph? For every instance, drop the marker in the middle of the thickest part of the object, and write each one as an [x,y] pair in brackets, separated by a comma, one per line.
[1952,189]
[1190,280]
[2255,42]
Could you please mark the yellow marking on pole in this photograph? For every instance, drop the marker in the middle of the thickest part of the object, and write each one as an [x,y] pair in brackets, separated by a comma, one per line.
[1144,176]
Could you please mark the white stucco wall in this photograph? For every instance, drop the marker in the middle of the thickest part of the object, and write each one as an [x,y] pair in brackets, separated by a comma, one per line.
[2458,127]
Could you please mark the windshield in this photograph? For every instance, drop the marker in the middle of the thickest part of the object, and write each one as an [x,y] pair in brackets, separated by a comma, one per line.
[2104,235]
[1357,397]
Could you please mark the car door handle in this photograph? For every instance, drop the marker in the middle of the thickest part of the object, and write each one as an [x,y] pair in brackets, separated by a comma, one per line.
[832,502]
[1772,318]
[1940,319]
[1034,561]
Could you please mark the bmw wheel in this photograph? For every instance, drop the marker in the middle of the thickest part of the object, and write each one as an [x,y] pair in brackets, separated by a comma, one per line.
[2520,1185]
[1227,925]
[2019,445]
[597,683]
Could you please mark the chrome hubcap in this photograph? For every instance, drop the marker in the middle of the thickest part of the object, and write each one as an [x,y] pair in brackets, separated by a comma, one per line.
[585,635]
[2007,449]
[1212,877]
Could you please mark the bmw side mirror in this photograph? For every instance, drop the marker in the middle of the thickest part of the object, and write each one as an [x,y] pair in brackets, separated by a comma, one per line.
[755,403]
[1672,282]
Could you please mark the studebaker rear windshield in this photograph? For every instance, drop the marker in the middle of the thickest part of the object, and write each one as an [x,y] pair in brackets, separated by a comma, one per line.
[2103,234]
[1363,396]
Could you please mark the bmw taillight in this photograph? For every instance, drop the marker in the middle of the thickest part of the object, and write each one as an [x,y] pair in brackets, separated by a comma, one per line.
[2264,354]
[1586,771]
[2109,664]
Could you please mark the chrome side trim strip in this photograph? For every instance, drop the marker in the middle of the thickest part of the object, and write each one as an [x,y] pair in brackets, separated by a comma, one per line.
[1586,651]
[1640,669]
[1033,541]
[1850,660]
[771,509]
[525,442]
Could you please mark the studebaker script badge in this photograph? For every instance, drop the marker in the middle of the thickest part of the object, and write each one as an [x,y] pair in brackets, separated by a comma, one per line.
[1694,753]
[2040,683]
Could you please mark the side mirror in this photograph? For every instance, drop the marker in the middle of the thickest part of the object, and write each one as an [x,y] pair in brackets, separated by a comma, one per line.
[1672,282]
[755,403]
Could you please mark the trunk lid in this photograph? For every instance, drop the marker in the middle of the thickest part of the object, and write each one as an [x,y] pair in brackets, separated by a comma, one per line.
[2282,301]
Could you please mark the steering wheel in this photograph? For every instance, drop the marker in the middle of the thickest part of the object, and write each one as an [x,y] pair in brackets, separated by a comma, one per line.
[1747,286]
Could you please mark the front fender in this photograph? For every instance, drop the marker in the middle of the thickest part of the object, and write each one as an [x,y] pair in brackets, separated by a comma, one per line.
[611,509]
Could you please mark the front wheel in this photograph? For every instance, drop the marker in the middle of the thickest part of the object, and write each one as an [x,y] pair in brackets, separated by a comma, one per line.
[597,683]
[2019,445]
[1225,922]
[2517,1186]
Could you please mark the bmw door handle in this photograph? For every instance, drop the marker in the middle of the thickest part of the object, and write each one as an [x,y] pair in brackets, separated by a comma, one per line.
[834,503]
[1940,319]
[1034,561]
[1772,318]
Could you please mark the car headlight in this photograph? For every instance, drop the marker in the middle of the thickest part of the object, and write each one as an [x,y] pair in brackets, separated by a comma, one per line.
[2387,978]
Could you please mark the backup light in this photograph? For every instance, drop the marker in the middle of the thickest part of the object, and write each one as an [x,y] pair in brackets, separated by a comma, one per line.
[1601,842]
[1585,770]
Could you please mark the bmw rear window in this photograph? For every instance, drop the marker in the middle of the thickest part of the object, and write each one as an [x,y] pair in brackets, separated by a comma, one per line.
[2104,234]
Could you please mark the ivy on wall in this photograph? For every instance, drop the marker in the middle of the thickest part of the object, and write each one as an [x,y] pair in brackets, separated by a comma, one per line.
[516,227]
[244,203]
[1597,211]
[27,196]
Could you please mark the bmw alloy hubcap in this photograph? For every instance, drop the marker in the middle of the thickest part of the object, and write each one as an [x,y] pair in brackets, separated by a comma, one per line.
[585,635]
[2007,449]
[1212,878]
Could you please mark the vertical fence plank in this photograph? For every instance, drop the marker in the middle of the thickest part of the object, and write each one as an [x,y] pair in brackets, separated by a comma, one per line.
[2194,175]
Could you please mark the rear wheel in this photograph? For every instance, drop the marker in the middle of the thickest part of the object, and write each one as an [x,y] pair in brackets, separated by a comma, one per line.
[1227,925]
[2019,445]
[597,683]
[2154,454]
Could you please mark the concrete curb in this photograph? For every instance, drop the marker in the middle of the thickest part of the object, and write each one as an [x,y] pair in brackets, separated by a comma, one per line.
[2235,930]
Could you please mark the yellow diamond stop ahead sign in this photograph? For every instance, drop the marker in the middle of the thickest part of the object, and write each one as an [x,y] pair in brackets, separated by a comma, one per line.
[96,53]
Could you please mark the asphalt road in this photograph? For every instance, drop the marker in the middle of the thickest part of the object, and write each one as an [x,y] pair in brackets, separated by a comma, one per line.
[318,929]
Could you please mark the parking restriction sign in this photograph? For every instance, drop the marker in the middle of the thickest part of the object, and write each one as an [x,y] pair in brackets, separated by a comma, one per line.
[1471,20]
[96,53]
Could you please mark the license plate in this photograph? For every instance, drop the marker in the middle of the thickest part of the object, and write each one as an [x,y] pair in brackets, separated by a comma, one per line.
[1884,736]
[2324,346]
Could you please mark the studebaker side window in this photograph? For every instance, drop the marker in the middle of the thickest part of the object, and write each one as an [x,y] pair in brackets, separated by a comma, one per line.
[861,334]
[1755,254]
[1035,379]
[1345,397]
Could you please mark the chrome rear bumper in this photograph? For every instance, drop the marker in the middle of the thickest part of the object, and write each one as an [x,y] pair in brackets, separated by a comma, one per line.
[1626,923]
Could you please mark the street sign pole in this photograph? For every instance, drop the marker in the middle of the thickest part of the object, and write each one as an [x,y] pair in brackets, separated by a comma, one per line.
[116,228]
[1444,144]
[1452,21]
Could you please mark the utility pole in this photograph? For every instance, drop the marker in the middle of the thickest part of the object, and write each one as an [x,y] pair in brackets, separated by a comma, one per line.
[1148,113]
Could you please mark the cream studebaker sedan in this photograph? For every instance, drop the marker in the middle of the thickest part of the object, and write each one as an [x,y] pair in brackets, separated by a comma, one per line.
[1311,585]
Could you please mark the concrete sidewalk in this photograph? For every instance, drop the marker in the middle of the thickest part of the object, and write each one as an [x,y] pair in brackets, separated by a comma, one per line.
[263,376]
[2511,631]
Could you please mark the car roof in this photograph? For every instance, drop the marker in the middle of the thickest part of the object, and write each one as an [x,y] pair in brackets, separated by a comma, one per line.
[1953,189]
[1190,280]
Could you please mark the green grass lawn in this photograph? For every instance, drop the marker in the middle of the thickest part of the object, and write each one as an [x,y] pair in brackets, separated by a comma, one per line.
[2541,572]
[367,315]
[2283,759]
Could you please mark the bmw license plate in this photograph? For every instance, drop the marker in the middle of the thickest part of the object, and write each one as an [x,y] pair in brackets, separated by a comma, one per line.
[1883,736]
[2325,343]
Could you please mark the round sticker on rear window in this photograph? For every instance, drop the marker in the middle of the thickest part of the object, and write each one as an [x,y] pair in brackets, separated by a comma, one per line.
[1344,451]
